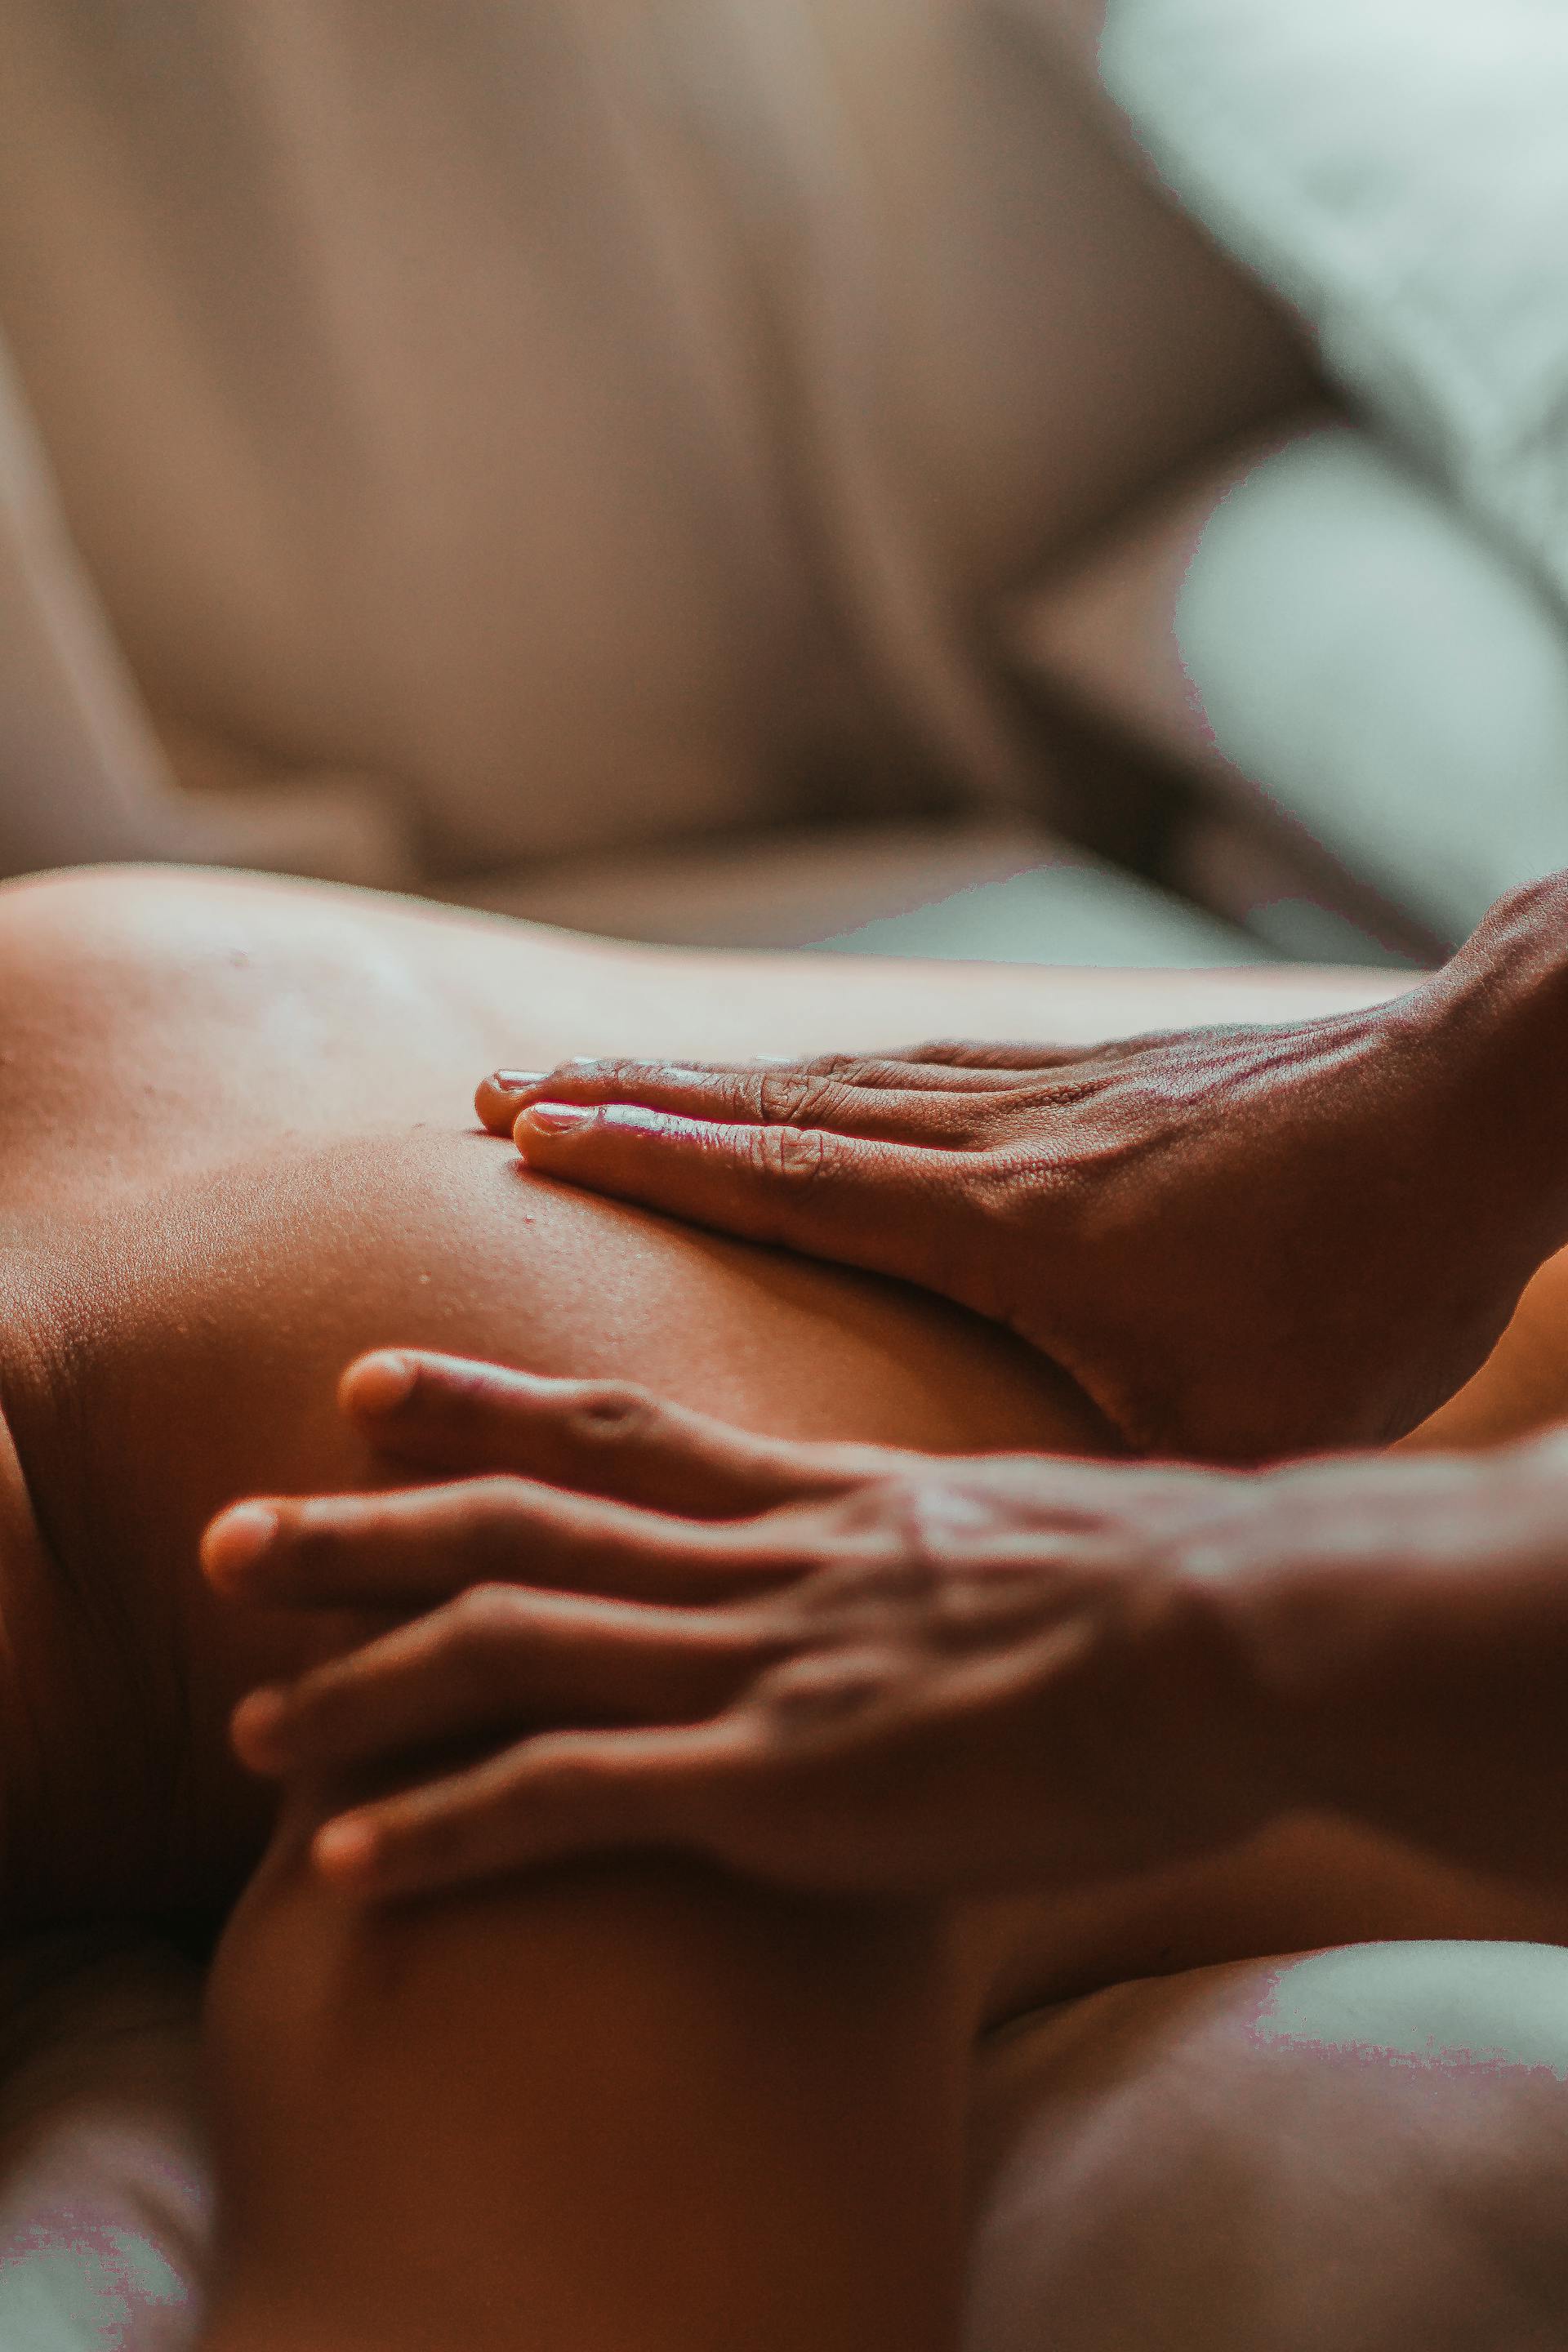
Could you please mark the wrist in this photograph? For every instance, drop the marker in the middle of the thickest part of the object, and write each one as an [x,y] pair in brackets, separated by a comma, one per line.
[1490,1034]
[1251,1611]
[1242,1714]
[1402,1639]
[1306,1637]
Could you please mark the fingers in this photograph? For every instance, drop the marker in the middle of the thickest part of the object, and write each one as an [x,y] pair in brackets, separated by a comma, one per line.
[565,1793]
[884,1206]
[497,1099]
[811,1082]
[600,1437]
[777,1156]
[407,1550]
[504,1093]
[500,1659]
[768,1095]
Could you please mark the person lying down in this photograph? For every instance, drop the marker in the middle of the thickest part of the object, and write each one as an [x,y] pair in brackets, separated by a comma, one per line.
[239,1151]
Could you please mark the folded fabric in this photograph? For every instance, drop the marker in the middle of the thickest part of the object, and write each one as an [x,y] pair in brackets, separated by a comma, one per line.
[1397,170]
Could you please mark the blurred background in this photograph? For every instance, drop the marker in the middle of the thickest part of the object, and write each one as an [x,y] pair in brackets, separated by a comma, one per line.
[1029,480]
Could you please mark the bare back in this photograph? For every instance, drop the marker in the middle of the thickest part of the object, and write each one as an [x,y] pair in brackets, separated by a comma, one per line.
[240,1148]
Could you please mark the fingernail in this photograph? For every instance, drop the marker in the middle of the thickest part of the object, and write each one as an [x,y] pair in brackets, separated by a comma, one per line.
[517,1082]
[380,1383]
[555,1118]
[345,1848]
[237,1540]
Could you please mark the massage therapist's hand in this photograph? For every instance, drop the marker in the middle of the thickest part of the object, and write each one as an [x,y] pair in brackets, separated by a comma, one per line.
[1242,1242]
[832,1668]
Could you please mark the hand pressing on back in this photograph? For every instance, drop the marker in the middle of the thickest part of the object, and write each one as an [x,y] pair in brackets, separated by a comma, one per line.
[839,1667]
[862,1670]
[1242,1242]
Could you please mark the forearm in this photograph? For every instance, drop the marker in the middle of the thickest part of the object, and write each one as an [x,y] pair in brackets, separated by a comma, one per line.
[1420,1687]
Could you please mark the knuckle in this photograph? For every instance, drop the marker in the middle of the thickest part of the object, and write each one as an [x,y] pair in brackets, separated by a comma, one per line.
[610,1413]
[796,1157]
[901,1541]
[487,1616]
[927,1520]
[1008,1182]
[495,1511]
[487,1638]
[489,1608]
[781,1095]
[823,1687]
[804,1098]
[893,1516]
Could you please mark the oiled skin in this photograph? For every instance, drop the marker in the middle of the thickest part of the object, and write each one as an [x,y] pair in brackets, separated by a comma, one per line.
[239,1149]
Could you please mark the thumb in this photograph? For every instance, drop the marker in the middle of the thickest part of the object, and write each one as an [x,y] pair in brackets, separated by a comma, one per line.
[858,1199]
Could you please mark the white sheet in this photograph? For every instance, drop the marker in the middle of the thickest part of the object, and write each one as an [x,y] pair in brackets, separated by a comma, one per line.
[105,2180]
[1399,169]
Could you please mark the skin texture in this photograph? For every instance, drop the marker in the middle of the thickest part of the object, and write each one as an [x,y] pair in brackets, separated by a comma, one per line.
[1243,1242]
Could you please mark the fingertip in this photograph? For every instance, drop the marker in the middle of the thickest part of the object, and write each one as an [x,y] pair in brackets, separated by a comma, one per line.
[346,1849]
[497,1096]
[236,1540]
[255,1727]
[377,1384]
[552,1119]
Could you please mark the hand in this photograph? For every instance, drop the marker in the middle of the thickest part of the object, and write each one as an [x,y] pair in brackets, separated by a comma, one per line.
[1242,1242]
[834,1667]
